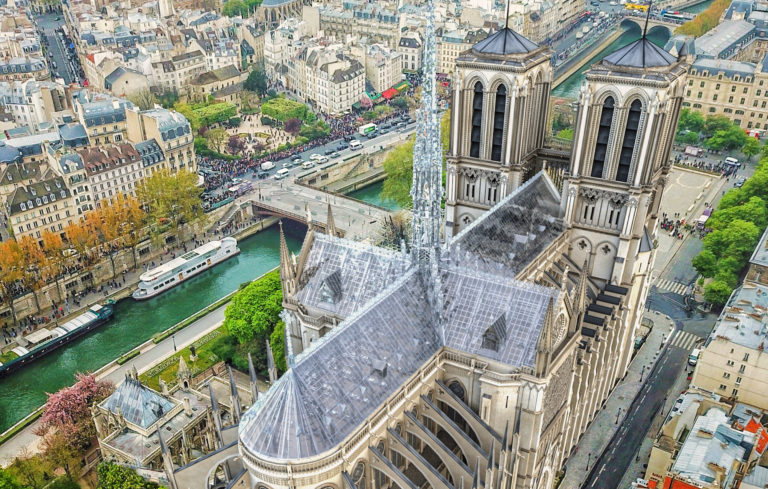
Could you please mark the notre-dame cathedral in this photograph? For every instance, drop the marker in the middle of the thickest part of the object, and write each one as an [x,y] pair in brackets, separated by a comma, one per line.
[478,355]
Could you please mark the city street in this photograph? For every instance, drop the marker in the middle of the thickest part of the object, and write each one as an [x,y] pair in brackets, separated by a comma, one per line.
[66,68]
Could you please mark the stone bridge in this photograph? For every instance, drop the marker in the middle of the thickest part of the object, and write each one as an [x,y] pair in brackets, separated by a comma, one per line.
[654,22]
[353,218]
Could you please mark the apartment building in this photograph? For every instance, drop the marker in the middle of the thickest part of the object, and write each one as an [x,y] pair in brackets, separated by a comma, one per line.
[733,361]
[708,442]
[736,89]
[172,133]
[43,205]
[175,74]
[383,67]
[411,46]
[33,103]
[451,43]
[103,117]
[111,171]
[340,84]
[376,23]
[23,68]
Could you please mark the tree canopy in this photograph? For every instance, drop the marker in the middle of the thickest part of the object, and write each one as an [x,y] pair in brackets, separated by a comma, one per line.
[282,109]
[253,317]
[256,81]
[114,476]
[737,223]
[705,21]
[172,198]
[243,8]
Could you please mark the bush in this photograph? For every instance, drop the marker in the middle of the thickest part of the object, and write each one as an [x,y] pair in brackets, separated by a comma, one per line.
[565,134]
[282,109]
[128,356]
[63,483]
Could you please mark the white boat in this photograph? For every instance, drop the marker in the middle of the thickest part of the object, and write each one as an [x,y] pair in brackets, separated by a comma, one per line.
[579,35]
[585,29]
[168,275]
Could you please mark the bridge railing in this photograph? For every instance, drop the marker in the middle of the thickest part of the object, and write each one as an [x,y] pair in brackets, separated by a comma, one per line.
[341,196]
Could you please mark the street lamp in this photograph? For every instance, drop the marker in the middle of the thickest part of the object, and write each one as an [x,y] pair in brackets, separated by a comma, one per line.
[641,373]
[173,338]
[589,456]
[618,413]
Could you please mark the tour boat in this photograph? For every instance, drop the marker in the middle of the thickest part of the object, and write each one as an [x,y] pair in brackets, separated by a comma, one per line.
[171,274]
[43,341]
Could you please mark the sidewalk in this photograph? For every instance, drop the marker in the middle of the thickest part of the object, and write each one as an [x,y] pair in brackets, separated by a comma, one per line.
[604,425]
[150,354]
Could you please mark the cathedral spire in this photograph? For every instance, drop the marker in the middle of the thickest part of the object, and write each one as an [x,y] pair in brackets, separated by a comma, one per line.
[427,188]
[252,378]
[234,398]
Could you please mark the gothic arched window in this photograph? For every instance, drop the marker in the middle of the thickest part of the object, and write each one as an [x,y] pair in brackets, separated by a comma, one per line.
[628,143]
[499,112]
[358,476]
[477,120]
[603,133]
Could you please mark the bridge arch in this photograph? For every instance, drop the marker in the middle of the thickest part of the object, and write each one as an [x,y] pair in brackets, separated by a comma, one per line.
[631,23]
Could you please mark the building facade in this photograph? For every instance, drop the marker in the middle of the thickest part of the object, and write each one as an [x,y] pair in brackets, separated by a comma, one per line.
[111,171]
[45,205]
[482,361]
[170,130]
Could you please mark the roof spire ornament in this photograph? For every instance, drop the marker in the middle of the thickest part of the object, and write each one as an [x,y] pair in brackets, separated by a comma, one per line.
[427,187]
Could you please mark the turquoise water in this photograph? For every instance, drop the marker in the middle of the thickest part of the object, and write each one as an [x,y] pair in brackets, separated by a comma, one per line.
[372,195]
[695,9]
[570,87]
[136,322]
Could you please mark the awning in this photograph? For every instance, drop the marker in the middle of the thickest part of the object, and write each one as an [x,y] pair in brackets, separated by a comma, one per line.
[357,106]
[402,86]
[373,96]
[389,93]
[38,336]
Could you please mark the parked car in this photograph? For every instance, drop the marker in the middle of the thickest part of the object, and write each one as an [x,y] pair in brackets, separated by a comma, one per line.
[342,146]
[315,157]
[335,154]
[296,159]
[307,165]
[328,151]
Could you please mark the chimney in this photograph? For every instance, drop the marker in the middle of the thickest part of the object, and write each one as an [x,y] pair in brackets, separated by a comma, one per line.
[187,407]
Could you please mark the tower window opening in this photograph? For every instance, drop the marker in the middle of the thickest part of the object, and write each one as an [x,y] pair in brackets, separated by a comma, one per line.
[603,134]
[498,122]
[628,143]
[477,119]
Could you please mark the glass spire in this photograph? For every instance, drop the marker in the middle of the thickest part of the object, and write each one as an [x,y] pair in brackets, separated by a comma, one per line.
[427,188]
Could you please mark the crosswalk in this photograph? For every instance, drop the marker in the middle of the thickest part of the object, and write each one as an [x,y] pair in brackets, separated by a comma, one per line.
[671,286]
[684,340]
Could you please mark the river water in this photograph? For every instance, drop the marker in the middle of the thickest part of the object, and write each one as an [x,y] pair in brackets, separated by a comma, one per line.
[372,195]
[135,322]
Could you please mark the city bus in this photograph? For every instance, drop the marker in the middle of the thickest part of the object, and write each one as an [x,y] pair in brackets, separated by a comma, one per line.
[636,6]
[676,16]
[367,129]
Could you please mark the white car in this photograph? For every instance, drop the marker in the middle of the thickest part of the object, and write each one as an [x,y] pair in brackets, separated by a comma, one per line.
[316,157]
[307,165]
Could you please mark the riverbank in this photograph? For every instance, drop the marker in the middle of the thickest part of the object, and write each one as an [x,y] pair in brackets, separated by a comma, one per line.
[571,67]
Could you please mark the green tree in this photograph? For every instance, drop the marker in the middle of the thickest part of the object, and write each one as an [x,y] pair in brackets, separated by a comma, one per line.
[234,8]
[254,310]
[751,148]
[717,292]
[172,198]
[705,263]
[565,134]
[714,123]
[282,109]
[277,342]
[731,138]
[754,210]
[256,81]
[398,166]
[8,481]
[691,120]
[114,476]
[216,138]
[690,137]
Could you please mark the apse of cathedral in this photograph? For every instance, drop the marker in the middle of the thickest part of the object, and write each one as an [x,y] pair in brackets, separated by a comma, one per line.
[477,355]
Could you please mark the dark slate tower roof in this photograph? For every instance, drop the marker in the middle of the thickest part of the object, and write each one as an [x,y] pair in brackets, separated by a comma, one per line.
[641,54]
[506,41]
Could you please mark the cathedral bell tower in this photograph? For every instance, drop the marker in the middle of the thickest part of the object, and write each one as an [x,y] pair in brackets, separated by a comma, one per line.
[628,110]
[498,120]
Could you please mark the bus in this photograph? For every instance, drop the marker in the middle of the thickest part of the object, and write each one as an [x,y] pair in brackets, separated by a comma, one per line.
[676,16]
[636,6]
[367,129]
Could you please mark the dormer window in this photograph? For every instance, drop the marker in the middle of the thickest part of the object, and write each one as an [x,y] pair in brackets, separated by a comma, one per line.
[37,201]
[29,204]
[495,335]
[53,197]
[23,206]
[63,194]
[33,191]
[45,199]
